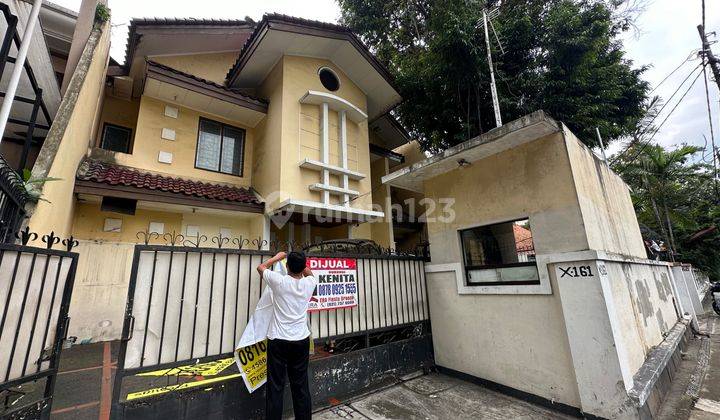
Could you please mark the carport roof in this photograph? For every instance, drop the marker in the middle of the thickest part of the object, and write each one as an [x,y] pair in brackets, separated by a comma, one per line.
[512,134]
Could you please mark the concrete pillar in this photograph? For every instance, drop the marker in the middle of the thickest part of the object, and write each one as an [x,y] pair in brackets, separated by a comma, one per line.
[602,371]
[692,288]
[83,27]
[683,293]
[266,232]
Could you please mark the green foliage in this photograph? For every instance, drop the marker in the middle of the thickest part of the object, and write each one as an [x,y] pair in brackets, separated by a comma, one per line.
[102,13]
[561,56]
[675,199]
[31,185]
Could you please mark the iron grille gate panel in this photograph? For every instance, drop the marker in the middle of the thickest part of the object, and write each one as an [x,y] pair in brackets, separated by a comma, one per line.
[35,289]
[12,202]
[189,305]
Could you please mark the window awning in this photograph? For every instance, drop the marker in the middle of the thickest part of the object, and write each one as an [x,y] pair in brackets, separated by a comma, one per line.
[331,212]
[172,85]
[96,177]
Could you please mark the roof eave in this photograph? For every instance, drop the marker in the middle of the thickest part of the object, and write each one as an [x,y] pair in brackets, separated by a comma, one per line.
[142,194]
[286,24]
[134,37]
[174,77]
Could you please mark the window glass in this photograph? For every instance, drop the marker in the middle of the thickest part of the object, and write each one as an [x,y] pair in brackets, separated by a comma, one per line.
[502,253]
[328,79]
[208,149]
[232,151]
[220,148]
[116,138]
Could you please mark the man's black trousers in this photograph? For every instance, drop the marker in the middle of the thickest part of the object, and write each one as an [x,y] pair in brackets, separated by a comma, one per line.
[291,357]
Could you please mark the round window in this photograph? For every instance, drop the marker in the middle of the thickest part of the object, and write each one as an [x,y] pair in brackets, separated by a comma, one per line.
[329,79]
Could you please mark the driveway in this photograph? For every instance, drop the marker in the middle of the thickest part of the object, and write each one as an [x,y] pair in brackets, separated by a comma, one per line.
[437,396]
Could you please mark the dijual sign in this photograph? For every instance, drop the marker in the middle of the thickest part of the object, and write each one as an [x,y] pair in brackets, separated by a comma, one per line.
[337,283]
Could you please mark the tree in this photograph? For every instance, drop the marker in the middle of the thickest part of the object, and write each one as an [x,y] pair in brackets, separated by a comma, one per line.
[674,196]
[561,56]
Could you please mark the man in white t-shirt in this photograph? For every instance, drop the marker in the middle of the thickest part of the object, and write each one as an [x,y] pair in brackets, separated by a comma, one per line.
[288,334]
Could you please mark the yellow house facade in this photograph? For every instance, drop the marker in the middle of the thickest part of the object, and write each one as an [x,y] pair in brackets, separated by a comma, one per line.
[301,147]
[235,132]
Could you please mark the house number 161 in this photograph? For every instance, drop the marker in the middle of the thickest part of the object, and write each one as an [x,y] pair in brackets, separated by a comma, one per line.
[576,271]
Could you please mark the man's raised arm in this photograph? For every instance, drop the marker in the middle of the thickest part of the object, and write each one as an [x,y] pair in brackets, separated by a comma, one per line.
[267,265]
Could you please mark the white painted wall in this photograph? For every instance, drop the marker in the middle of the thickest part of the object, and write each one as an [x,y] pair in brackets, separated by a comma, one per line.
[644,303]
[608,215]
[683,293]
[614,318]
[515,340]
[574,340]
[39,60]
[101,284]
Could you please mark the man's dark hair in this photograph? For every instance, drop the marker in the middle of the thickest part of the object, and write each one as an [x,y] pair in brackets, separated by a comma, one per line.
[296,262]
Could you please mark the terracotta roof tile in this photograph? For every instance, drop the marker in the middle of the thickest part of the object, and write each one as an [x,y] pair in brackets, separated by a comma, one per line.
[523,239]
[111,174]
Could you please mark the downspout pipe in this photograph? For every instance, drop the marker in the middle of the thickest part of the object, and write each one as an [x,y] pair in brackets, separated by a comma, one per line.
[19,64]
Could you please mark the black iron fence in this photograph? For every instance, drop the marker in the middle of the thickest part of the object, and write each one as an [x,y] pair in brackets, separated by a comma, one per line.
[12,202]
[189,304]
[35,289]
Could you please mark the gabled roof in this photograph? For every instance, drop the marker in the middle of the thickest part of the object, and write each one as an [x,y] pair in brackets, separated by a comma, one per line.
[317,39]
[135,23]
[305,26]
[112,176]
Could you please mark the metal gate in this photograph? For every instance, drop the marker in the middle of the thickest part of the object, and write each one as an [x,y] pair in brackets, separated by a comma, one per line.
[187,307]
[35,289]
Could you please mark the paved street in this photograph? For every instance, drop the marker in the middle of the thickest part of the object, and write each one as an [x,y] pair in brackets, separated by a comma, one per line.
[695,392]
[707,405]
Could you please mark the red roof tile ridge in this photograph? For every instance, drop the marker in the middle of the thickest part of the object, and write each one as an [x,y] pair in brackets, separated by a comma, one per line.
[103,172]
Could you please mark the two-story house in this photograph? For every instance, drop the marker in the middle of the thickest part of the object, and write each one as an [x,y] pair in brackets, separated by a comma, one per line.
[235,132]
[271,130]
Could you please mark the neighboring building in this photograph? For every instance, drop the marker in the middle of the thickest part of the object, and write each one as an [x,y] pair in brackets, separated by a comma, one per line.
[41,79]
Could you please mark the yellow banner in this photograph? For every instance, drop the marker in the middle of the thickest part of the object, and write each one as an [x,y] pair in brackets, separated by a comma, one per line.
[202,369]
[252,361]
[157,391]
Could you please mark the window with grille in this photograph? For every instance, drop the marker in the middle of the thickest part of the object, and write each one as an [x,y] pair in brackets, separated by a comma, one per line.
[116,138]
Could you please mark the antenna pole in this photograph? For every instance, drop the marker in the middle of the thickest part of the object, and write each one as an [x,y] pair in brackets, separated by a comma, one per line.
[493,90]
[602,145]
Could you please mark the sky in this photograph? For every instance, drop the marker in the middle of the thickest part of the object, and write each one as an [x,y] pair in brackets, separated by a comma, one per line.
[666,35]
